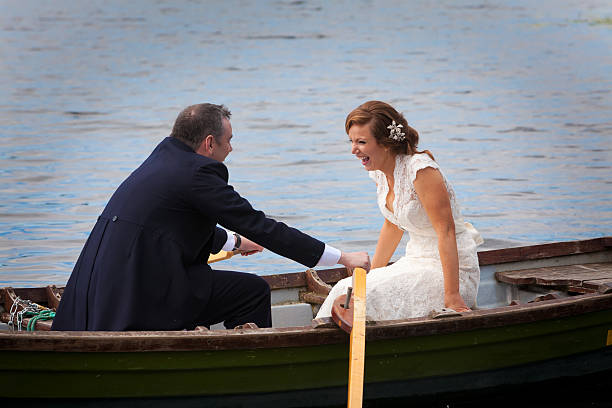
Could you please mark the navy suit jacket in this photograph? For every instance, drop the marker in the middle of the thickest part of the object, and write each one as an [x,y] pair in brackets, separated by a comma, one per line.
[144,267]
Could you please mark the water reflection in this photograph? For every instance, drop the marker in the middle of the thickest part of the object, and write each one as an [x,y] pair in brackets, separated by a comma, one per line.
[513,100]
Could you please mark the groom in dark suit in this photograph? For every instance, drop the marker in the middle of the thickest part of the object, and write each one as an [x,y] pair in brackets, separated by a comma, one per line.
[144,266]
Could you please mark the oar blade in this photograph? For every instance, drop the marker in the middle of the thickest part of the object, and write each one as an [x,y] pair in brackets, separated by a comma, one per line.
[220,256]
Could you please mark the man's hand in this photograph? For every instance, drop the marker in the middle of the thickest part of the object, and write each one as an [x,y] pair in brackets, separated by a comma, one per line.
[355,260]
[248,247]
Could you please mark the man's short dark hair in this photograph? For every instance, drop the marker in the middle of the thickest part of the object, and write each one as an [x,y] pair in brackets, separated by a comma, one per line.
[196,122]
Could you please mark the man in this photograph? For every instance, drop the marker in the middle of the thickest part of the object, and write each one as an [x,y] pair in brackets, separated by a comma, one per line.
[144,266]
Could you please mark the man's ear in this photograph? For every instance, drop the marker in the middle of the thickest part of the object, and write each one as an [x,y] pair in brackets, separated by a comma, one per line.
[206,147]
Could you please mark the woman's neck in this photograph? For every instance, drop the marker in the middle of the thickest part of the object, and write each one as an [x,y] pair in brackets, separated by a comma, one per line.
[388,167]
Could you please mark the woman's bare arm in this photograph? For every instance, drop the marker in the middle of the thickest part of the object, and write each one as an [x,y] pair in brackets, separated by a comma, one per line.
[389,238]
[430,188]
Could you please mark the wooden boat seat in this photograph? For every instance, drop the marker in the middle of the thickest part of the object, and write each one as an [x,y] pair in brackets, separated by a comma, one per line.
[582,278]
[54,295]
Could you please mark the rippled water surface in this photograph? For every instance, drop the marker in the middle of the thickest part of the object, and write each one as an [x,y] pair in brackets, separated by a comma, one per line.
[513,98]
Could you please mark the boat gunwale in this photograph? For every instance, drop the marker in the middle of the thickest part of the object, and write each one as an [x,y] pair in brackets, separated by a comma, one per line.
[543,251]
[266,338]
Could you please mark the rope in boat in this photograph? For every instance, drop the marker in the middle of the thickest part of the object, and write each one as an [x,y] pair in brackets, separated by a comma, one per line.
[29,309]
[46,314]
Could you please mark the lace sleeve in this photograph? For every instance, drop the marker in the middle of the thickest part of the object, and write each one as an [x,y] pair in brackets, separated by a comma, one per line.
[419,162]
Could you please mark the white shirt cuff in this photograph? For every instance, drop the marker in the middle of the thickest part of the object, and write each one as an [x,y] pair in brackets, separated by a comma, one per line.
[230,243]
[330,256]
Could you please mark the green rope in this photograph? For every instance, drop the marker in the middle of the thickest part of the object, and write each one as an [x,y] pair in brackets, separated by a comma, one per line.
[46,314]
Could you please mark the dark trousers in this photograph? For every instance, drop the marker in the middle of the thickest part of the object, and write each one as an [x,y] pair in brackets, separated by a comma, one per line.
[237,298]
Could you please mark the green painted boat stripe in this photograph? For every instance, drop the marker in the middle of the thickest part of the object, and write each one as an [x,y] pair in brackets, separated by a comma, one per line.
[114,374]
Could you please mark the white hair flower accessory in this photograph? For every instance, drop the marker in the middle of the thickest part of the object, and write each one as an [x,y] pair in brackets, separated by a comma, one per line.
[396,132]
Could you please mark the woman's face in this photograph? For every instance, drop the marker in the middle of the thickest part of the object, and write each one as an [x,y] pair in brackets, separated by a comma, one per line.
[365,147]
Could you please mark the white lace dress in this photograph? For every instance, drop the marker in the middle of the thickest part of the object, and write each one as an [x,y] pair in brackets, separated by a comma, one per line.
[414,285]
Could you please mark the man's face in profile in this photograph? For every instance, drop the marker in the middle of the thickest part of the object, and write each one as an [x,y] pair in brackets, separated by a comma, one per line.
[222,148]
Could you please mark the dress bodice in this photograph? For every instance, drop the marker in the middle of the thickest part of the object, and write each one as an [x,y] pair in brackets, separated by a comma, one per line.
[408,211]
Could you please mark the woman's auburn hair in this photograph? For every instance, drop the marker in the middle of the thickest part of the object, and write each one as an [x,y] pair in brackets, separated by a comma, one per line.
[379,115]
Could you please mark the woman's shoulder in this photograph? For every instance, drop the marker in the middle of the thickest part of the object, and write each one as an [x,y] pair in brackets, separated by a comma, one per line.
[419,161]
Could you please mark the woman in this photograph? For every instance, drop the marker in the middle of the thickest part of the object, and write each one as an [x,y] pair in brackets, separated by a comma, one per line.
[440,267]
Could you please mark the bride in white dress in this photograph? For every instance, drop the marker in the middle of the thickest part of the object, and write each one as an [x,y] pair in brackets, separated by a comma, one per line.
[440,266]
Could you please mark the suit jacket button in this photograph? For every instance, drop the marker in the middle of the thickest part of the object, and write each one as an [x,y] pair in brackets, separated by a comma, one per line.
[114,218]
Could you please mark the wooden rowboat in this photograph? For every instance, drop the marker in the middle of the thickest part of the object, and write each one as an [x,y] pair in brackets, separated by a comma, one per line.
[545,313]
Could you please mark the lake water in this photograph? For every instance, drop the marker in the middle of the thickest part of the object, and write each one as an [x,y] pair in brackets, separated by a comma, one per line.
[514,99]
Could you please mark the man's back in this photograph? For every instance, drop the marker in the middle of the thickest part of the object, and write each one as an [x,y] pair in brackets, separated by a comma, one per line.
[144,264]
[140,251]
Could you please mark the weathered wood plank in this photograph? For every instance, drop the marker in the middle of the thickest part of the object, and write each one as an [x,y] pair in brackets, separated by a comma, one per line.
[557,275]
[591,277]
[286,280]
[9,297]
[605,288]
[36,295]
[543,251]
[323,322]
[298,279]
[316,284]
[580,289]
[312,298]
[54,295]
[598,285]
[332,276]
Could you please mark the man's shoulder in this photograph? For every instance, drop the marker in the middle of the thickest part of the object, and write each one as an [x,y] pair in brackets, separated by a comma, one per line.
[187,155]
[197,163]
[204,166]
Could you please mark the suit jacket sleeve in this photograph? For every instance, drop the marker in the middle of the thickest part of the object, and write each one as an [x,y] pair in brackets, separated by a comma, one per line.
[218,200]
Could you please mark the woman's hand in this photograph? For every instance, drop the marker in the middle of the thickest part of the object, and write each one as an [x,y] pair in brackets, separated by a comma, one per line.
[455,301]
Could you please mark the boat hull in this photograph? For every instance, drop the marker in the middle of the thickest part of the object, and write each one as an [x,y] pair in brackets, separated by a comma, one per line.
[588,372]
[438,362]
[546,339]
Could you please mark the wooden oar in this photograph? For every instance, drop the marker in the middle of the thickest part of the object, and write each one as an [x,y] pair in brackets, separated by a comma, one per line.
[221,256]
[350,317]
